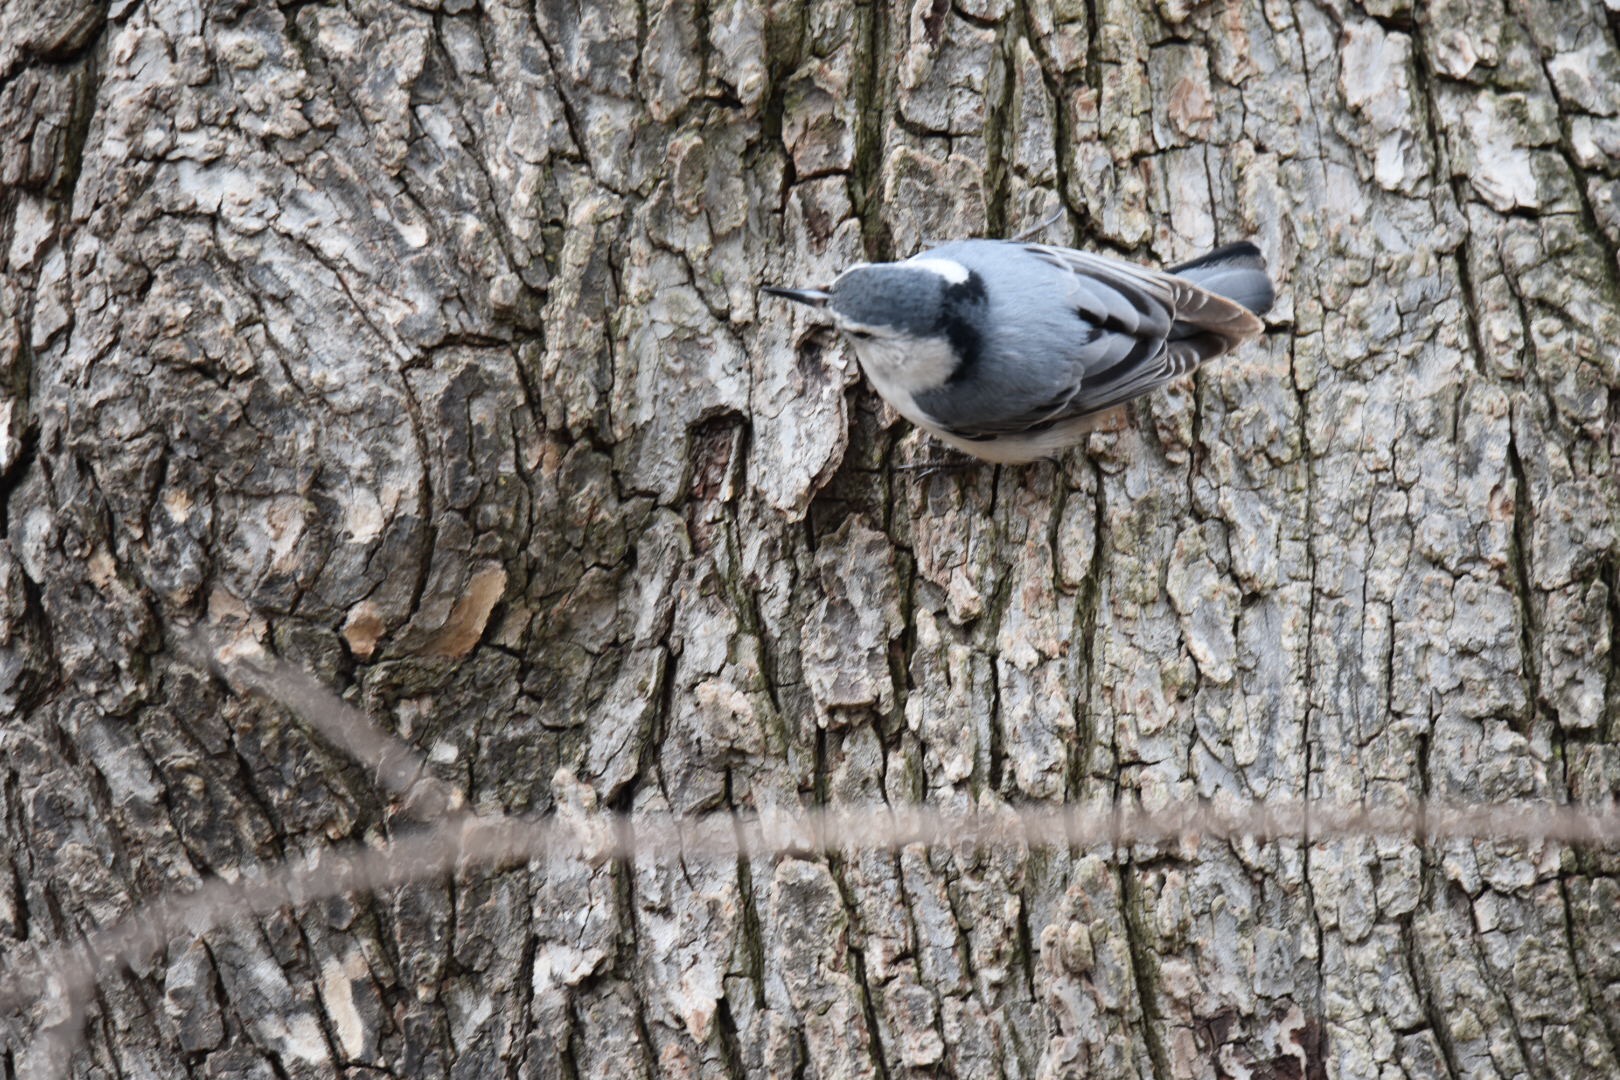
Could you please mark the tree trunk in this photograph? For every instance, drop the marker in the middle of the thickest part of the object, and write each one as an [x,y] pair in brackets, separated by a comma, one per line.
[421,343]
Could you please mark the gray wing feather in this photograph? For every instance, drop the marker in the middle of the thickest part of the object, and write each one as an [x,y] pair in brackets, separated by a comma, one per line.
[1150,328]
[1174,299]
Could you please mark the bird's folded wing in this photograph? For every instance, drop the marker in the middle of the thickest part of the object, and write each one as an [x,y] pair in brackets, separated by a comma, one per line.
[1178,299]
[1114,295]
[1170,360]
[1146,329]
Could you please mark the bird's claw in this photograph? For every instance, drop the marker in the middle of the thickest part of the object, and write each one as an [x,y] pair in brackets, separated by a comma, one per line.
[955,461]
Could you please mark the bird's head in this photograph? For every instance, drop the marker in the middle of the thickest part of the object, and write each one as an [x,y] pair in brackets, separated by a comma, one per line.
[882,307]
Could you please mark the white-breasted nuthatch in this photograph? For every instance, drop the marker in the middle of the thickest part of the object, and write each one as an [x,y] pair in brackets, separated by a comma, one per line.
[1008,351]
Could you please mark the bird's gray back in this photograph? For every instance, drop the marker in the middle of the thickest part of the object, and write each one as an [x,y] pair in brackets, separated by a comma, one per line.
[1036,345]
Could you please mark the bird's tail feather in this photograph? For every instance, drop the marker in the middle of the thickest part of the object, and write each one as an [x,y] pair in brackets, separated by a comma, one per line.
[1236,271]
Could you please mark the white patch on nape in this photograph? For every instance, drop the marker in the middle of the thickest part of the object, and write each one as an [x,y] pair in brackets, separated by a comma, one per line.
[949,269]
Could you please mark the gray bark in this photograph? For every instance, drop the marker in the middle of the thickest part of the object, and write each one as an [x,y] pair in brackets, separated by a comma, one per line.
[421,344]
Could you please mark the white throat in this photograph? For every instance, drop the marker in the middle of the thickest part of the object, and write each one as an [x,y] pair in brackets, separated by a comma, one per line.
[902,369]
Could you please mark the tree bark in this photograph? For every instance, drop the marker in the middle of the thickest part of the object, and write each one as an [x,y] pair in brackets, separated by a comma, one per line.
[421,343]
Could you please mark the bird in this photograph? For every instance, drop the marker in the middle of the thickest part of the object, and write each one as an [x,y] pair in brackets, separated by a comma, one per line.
[1010,351]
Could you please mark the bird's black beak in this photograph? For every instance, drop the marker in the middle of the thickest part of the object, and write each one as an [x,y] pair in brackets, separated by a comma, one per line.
[813,297]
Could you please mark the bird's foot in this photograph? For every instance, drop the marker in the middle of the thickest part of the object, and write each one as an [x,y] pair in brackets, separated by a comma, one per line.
[1040,226]
[951,461]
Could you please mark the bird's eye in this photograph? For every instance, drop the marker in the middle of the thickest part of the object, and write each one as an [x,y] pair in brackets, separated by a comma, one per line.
[862,334]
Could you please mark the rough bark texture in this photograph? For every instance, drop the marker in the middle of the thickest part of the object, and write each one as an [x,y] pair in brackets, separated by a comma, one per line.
[421,342]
